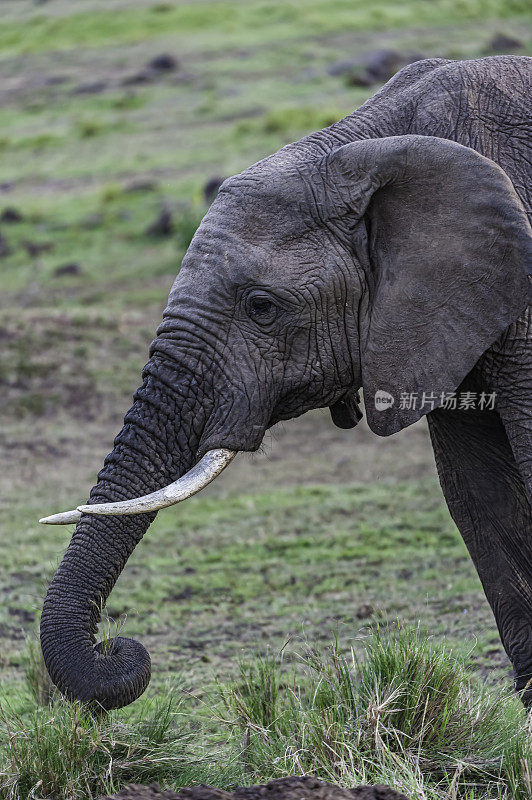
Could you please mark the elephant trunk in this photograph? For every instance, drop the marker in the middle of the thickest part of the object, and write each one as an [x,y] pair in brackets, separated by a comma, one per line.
[158,443]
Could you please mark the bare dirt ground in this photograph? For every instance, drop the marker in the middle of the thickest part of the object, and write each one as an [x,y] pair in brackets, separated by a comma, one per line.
[283,789]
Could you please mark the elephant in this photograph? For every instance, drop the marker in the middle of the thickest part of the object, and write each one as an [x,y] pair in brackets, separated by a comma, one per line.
[388,253]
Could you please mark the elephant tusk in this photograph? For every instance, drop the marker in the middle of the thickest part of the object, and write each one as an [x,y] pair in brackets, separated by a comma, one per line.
[64,518]
[205,471]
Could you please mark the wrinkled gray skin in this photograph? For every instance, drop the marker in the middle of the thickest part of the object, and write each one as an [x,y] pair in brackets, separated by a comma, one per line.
[346,260]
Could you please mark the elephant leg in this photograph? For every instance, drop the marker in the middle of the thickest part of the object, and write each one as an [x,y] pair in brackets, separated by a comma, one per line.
[507,368]
[484,490]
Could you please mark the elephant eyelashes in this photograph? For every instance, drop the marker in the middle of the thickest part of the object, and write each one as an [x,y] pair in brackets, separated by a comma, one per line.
[261,308]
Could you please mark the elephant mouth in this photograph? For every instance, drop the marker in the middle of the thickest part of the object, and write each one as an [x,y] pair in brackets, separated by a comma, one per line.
[204,472]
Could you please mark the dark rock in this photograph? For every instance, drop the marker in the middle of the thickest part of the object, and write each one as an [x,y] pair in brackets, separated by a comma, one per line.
[162,226]
[164,62]
[501,43]
[343,67]
[141,185]
[35,249]
[377,66]
[380,65]
[94,87]
[93,220]
[361,78]
[68,269]
[405,574]
[143,76]
[54,80]
[210,190]
[364,611]
[11,215]
[184,595]
[293,788]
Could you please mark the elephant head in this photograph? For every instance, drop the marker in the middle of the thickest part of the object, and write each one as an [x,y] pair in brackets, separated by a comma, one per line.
[389,264]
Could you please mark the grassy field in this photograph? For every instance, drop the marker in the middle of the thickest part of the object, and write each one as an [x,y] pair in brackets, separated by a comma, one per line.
[325,533]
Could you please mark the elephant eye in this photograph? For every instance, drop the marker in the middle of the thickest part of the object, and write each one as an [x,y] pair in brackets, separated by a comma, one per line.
[261,308]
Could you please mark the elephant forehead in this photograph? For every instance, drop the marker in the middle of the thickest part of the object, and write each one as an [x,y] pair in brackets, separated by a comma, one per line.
[224,257]
[261,201]
[221,259]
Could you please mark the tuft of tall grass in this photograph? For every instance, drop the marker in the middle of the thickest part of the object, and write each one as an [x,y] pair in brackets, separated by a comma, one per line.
[38,681]
[407,714]
[67,751]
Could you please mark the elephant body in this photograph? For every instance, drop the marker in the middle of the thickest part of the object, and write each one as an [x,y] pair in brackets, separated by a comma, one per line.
[387,252]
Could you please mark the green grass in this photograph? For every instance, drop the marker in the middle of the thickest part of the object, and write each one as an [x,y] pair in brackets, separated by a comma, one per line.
[63,751]
[407,714]
[236,22]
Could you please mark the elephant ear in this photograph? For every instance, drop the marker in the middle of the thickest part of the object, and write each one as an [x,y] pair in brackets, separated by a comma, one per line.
[447,248]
